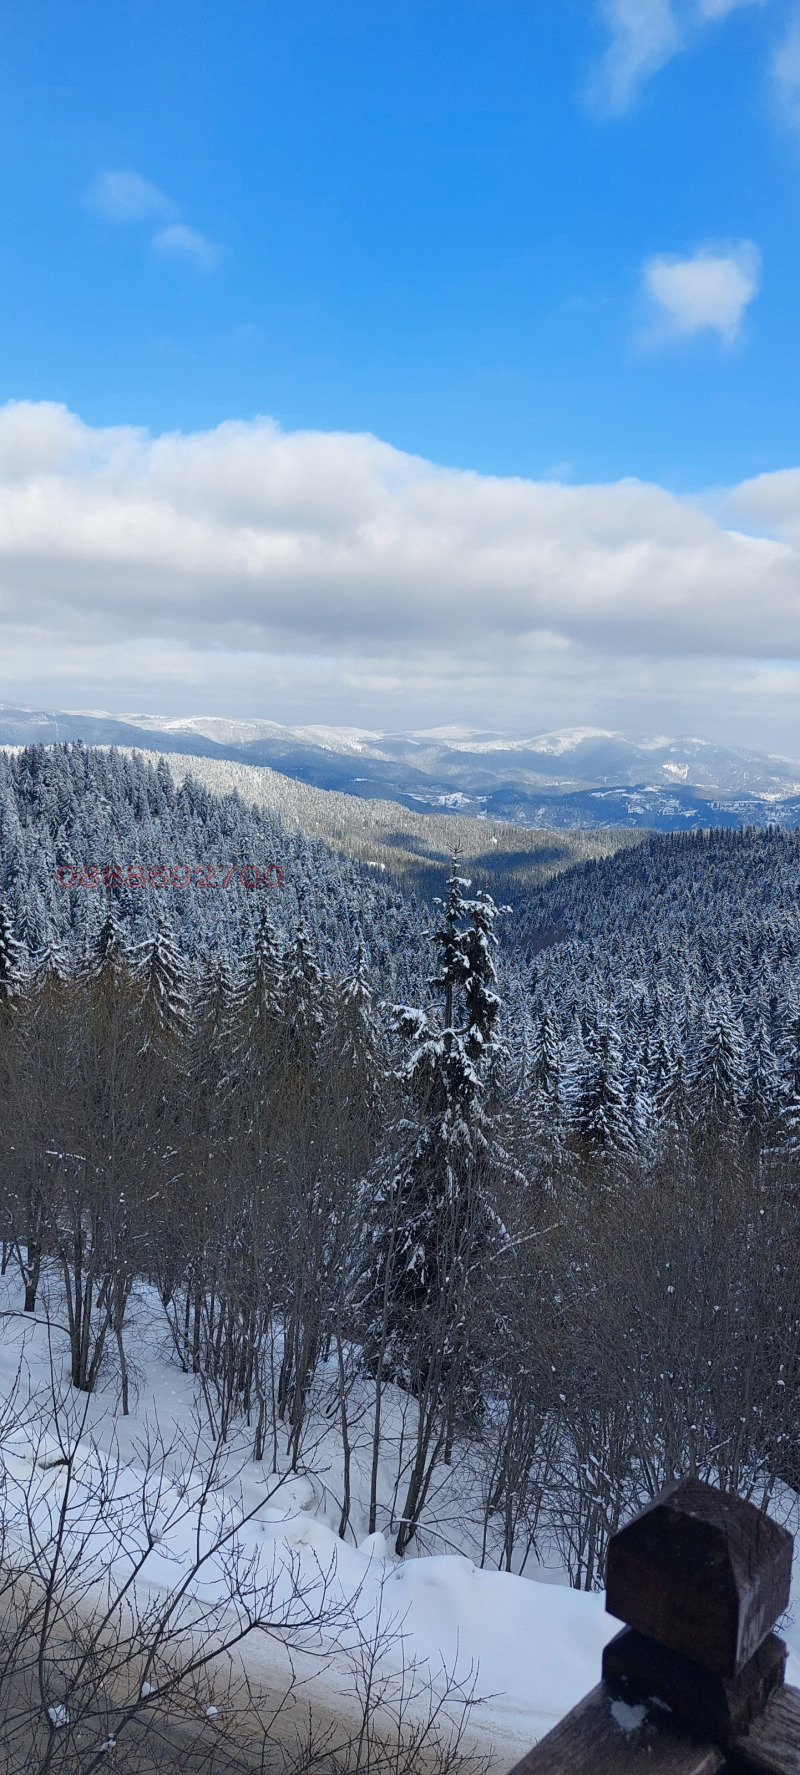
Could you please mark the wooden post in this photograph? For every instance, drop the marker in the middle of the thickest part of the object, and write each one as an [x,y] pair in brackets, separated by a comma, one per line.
[693,1685]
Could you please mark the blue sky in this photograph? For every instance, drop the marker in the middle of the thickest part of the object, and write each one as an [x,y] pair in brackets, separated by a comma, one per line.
[429,223]
[551,239]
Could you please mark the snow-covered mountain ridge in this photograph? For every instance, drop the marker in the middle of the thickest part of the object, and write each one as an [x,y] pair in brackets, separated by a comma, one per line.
[573,777]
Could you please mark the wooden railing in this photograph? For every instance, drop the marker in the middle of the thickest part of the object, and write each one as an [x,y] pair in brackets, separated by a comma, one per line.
[694,1684]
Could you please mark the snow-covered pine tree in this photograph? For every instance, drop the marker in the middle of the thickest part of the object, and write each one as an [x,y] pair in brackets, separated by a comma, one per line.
[33,924]
[789,1125]
[254,1025]
[641,1102]
[216,999]
[359,1040]
[452,938]
[481,997]
[12,973]
[540,1095]
[545,1068]
[669,1080]
[162,972]
[109,955]
[762,1093]
[435,1220]
[166,787]
[51,963]
[600,1109]
[260,986]
[303,995]
[718,1082]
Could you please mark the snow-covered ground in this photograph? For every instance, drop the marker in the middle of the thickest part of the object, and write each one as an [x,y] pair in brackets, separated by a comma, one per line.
[529,1649]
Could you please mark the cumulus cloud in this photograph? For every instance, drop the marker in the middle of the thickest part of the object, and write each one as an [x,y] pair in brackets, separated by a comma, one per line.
[709,291]
[180,242]
[643,36]
[313,574]
[127,197]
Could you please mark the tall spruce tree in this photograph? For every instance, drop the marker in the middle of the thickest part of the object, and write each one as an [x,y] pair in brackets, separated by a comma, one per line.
[435,1218]
[303,995]
[260,986]
[719,1080]
[11,959]
[163,973]
[600,1109]
[109,956]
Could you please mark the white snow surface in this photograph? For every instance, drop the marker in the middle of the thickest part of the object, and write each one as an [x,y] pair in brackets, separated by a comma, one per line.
[533,1648]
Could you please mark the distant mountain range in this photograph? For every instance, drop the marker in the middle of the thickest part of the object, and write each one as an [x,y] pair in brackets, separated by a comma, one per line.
[574,777]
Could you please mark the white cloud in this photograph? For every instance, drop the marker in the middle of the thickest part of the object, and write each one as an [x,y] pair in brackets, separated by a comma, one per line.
[709,291]
[127,197]
[644,36]
[313,576]
[181,242]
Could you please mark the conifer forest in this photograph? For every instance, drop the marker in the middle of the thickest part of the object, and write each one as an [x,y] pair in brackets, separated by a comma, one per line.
[519,1174]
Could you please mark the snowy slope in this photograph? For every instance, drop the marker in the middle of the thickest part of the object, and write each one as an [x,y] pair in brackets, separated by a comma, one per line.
[532,1648]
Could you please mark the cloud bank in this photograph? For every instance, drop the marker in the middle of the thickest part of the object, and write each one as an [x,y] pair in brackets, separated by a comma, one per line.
[329,576]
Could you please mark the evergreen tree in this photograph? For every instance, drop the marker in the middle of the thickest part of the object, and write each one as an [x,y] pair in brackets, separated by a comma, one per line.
[217,1000]
[259,994]
[790,1054]
[358,1038]
[434,1217]
[303,995]
[11,959]
[718,1084]
[452,938]
[539,1097]
[763,1087]
[164,977]
[481,998]
[546,1068]
[640,1100]
[51,963]
[599,1107]
[669,1081]
[109,955]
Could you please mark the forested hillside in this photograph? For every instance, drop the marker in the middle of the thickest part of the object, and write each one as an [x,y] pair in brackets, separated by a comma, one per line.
[68,814]
[674,994]
[416,848]
[662,982]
